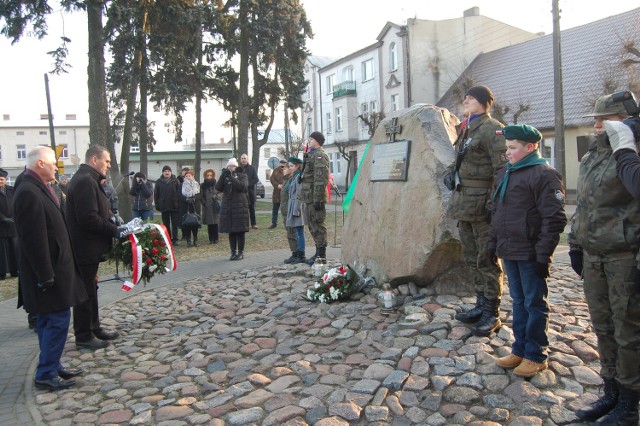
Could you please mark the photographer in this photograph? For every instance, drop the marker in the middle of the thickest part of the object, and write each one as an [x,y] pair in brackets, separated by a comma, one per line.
[604,239]
[141,197]
[234,212]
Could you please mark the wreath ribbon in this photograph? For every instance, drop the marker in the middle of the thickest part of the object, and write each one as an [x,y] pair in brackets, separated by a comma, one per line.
[136,260]
[171,260]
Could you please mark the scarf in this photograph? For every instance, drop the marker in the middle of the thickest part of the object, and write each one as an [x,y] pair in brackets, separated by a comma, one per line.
[532,159]
[294,176]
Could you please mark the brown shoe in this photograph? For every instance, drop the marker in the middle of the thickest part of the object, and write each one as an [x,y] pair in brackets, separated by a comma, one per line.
[529,368]
[509,361]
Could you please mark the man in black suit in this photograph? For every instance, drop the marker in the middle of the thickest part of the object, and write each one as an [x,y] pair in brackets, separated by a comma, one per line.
[50,277]
[92,229]
[251,193]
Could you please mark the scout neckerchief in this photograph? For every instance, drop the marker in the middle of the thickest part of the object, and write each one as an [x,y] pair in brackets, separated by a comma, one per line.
[532,159]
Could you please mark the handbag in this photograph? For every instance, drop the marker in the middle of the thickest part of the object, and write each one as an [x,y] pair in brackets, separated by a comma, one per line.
[191,219]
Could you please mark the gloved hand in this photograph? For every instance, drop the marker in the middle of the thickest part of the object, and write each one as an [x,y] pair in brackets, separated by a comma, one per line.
[542,269]
[620,136]
[116,220]
[577,263]
[318,206]
[225,173]
[45,285]
[122,231]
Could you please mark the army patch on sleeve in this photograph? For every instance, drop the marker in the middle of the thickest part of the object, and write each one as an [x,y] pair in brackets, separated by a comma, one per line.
[559,195]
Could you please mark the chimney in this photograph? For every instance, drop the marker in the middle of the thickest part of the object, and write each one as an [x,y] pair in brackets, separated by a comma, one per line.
[474,11]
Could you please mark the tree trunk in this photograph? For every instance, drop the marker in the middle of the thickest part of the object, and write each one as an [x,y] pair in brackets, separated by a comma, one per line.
[243,102]
[144,129]
[199,95]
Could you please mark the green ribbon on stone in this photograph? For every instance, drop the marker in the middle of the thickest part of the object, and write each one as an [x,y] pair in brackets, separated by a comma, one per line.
[346,204]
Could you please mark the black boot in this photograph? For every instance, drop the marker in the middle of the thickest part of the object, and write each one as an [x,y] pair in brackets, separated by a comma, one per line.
[293,258]
[233,255]
[625,413]
[188,242]
[322,254]
[312,259]
[240,256]
[603,405]
[195,242]
[301,258]
[490,319]
[473,314]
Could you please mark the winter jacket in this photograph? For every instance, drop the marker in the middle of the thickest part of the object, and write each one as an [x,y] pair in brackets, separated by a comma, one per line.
[276,178]
[234,215]
[165,194]
[527,223]
[295,212]
[7,228]
[141,195]
[210,202]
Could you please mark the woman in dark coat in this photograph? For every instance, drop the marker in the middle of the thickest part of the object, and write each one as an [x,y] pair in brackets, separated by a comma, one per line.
[210,205]
[8,247]
[234,216]
[141,197]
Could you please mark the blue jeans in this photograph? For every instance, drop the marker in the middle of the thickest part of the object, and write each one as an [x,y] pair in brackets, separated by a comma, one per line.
[300,238]
[145,215]
[530,310]
[274,213]
[52,331]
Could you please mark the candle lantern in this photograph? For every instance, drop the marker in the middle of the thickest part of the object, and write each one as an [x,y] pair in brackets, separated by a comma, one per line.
[387,299]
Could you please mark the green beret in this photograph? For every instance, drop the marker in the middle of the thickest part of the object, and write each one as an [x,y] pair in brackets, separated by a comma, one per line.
[295,160]
[522,132]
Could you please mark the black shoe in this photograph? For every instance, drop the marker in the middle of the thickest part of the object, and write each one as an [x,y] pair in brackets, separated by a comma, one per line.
[15,274]
[68,373]
[3,276]
[54,384]
[216,241]
[106,335]
[273,225]
[233,256]
[239,256]
[92,344]
[195,243]
[175,243]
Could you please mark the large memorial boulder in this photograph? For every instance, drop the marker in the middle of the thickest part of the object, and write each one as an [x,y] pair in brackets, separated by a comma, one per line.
[397,225]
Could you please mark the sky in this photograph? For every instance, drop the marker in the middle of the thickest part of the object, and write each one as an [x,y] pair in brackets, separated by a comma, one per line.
[340,27]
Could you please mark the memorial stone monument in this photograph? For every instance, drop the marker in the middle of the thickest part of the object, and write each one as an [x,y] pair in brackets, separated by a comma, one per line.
[397,225]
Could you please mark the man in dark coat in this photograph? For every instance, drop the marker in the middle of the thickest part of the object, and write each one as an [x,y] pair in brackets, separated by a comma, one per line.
[277,181]
[252,176]
[50,277]
[165,197]
[92,234]
[8,248]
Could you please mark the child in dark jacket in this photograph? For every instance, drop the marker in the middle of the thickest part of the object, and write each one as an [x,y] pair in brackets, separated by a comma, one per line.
[528,217]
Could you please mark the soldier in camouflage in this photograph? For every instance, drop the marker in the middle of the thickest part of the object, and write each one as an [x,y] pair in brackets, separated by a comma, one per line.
[314,179]
[604,240]
[482,153]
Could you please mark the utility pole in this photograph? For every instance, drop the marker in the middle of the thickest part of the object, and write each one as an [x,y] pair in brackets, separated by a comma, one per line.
[51,129]
[558,94]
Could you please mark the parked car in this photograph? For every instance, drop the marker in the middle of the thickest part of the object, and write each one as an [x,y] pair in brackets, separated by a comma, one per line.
[259,190]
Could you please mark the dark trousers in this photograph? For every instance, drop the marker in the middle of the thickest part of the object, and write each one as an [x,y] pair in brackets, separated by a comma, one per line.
[530,296]
[171,221]
[236,241]
[8,258]
[86,318]
[189,231]
[274,213]
[52,331]
[212,230]
[251,195]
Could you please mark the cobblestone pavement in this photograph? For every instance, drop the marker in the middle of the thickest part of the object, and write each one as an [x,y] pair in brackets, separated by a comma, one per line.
[245,348]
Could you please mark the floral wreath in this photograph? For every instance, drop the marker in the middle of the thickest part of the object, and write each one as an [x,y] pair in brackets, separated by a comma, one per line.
[145,252]
[336,284]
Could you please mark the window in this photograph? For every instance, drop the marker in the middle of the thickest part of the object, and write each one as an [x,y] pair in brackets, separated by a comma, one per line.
[364,111]
[395,99]
[393,57]
[6,117]
[42,132]
[20,133]
[338,119]
[367,70]
[70,117]
[22,152]
[307,92]
[329,123]
[309,126]
[347,74]
[65,151]
[331,80]
[44,116]
[337,166]
[373,107]
[267,153]
[330,162]
[62,132]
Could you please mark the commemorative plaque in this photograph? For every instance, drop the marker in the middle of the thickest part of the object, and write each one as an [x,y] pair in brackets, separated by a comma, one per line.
[391,160]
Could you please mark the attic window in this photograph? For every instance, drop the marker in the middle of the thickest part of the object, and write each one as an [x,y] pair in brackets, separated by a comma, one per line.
[44,116]
[70,117]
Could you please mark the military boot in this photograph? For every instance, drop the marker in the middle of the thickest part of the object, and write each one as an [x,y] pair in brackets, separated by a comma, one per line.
[301,258]
[322,254]
[233,255]
[293,258]
[310,261]
[188,242]
[625,413]
[490,319]
[603,405]
[473,314]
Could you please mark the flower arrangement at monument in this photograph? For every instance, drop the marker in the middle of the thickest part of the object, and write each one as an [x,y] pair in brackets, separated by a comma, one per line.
[145,252]
[336,284]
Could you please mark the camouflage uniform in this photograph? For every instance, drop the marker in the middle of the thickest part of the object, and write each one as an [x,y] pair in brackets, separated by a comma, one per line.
[315,178]
[470,205]
[284,208]
[607,227]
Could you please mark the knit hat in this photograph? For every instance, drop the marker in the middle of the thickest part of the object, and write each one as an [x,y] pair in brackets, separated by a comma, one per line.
[232,162]
[165,168]
[319,137]
[4,173]
[140,175]
[605,105]
[521,132]
[64,177]
[482,94]
[295,160]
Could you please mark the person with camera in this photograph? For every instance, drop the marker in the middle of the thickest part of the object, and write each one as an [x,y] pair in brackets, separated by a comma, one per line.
[604,245]
[190,190]
[141,193]
[234,213]
[480,149]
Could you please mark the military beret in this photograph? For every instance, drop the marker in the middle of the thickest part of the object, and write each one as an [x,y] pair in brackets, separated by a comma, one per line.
[295,160]
[521,132]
